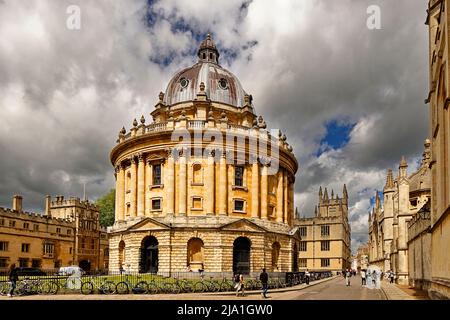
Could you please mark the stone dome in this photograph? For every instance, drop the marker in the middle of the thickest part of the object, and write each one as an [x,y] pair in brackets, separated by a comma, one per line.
[220,84]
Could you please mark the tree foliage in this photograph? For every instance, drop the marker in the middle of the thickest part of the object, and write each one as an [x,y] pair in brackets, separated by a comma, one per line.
[106,206]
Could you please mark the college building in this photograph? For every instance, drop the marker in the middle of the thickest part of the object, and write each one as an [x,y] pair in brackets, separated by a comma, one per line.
[67,233]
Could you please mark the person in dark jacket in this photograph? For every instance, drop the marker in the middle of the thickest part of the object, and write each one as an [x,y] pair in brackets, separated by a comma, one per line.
[13,277]
[264,278]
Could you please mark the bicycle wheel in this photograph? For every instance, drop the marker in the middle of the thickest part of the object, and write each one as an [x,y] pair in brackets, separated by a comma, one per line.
[199,287]
[152,288]
[87,288]
[122,288]
[187,287]
[54,287]
[141,287]
[226,286]
[214,286]
[4,288]
[108,287]
[45,287]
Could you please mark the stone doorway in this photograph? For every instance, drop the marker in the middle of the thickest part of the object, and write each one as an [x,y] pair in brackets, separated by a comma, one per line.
[241,255]
[149,255]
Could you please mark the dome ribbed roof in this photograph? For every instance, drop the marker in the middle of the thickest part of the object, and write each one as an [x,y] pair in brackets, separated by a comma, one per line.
[220,84]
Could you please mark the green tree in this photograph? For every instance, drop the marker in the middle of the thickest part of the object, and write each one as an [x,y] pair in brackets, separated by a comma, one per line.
[106,206]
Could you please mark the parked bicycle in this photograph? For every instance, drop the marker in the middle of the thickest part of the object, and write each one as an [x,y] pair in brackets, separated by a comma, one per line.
[124,287]
[102,286]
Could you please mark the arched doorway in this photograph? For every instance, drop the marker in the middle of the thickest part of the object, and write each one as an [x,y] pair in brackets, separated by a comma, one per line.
[121,254]
[276,256]
[85,265]
[241,255]
[195,254]
[295,259]
[149,255]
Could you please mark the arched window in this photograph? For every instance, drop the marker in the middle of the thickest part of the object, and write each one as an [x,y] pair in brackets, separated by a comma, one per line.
[197,173]
[121,253]
[195,254]
[276,256]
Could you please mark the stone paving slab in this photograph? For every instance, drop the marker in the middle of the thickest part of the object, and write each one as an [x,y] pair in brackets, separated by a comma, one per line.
[393,292]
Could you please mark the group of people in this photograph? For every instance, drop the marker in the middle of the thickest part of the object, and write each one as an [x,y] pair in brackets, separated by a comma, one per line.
[239,284]
[371,278]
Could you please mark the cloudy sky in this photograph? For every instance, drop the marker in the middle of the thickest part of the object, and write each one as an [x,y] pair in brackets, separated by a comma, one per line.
[350,99]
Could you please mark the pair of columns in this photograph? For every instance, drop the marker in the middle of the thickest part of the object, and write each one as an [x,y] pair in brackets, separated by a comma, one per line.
[137,188]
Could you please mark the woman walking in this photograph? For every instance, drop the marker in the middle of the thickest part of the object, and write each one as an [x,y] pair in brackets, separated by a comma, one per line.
[240,285]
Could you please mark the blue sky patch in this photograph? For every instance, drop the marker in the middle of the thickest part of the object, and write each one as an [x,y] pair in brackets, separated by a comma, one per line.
[336,137]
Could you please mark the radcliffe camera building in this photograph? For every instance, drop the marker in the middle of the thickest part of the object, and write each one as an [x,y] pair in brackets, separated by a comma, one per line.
[209,205]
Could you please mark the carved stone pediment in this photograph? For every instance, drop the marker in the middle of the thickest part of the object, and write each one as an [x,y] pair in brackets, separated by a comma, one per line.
[148,224]
[243,225]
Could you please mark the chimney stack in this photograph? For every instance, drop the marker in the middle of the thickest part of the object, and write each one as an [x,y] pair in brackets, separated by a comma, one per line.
[17,203]
[48,200]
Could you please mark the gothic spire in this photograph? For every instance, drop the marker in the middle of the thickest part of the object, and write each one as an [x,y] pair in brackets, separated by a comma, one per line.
[325,196]
[389,180]
[344,192]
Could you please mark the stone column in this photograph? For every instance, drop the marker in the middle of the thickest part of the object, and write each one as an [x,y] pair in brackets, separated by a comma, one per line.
[148,169]
[264,190]
[209,184]
[280,196]
[170,178]
[141,186]
[285,197]
[182,184]
[133,200]
[120,193]
[255,189]
[223,184]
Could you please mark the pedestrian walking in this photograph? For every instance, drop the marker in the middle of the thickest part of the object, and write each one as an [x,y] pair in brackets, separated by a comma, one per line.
[13,277]
[347,278]
[363,277]
[264,278]
[374,277]
[391,276]
[240,285]
[307,276]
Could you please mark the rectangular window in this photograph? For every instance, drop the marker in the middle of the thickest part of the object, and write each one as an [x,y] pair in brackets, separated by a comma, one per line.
[36,263]
[83,243]
[36,227]
[49,249]
[4,246]
[3,262]
[196,203]
[303,231]
[26,225]
[324,262]
[303,246]
[57,264]
[25,247]
[2,222]
[239,176]
[325,230]
[239,205]
[302,263]
[156,175]
[70,250]
[325,245]
[156,204]
[23,262]
[92,244]
[12,223]
[69,231]
[58,230]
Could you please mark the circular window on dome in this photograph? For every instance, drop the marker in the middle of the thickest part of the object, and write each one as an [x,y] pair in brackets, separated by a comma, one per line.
[223,84]
[184,82]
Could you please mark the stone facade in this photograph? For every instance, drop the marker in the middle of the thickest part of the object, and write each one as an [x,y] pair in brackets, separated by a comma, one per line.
[438,100]
[53,239]
[212,201]
[403,197]
[362,257]
[325,244]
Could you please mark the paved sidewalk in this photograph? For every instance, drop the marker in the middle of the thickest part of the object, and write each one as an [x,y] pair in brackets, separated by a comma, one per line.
[258,292]
[394,292]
